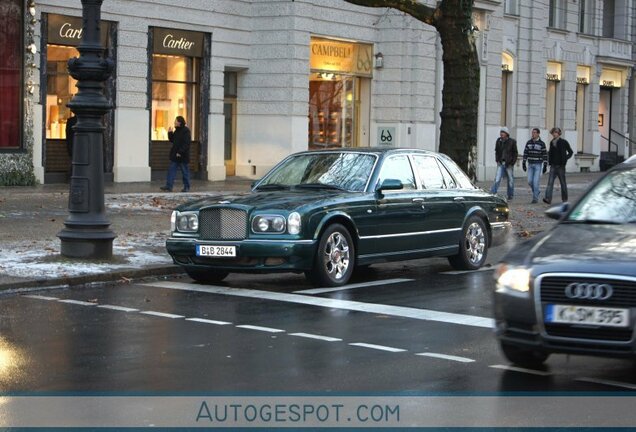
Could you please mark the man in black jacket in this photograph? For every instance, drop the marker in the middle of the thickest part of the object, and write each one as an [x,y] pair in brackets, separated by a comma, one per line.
[179,154]
[558,155]
[506,156]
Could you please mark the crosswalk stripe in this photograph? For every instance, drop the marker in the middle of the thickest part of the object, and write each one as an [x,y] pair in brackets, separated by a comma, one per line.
[446,357]
[377,347]
[352,286]
[399,311]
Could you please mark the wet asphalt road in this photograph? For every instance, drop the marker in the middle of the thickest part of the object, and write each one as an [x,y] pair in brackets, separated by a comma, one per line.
[257,333]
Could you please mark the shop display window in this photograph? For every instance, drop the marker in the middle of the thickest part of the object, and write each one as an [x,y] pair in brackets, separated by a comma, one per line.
[60,88]
[332,110]
[11,73]
[175,89]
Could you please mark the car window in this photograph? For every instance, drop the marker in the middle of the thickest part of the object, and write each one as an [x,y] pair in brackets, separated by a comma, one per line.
[461,178]
[398,168]
[612,200]
[449,181]
[429,173]
[344,170]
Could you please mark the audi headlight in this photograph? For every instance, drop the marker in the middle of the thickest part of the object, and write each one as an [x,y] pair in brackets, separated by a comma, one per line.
[293,223]
[515,279]
[268,224]
[186,222]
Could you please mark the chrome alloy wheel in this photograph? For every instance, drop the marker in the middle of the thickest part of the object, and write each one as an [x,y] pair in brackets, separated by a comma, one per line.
[336,255]
[475,243]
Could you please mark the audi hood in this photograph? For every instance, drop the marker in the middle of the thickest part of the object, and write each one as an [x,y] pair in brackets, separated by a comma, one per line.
[579,247]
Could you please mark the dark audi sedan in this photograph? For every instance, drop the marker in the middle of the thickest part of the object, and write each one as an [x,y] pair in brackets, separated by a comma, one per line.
[573,288]
[326,212]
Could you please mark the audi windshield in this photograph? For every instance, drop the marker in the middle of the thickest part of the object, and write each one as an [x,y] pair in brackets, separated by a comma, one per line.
[611,201]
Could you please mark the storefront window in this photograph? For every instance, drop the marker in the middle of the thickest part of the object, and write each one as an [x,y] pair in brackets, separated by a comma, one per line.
[10,73]
[60,88]
[332,101]
[175,89]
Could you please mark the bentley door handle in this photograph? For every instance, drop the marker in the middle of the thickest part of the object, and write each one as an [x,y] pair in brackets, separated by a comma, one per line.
[418,200]
[458,198]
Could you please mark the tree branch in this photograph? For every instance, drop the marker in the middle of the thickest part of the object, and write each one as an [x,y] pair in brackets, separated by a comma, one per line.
[414,8]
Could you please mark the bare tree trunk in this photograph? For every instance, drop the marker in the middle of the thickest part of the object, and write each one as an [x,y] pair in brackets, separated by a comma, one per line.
[460,95]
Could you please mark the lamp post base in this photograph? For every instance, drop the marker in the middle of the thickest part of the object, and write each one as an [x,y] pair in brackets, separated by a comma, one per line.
[87,244]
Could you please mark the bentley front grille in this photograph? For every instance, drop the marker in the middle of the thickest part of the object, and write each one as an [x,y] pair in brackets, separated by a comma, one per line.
[222,224]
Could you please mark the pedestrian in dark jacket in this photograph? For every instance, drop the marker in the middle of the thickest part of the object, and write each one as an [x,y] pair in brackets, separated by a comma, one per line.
[506,157]
[558,155]
[534,157]
[179,154]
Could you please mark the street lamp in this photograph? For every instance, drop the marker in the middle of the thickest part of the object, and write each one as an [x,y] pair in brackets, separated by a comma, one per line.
[87,233]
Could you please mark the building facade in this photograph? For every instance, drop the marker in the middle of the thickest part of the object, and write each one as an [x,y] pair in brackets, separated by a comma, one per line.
[257,80]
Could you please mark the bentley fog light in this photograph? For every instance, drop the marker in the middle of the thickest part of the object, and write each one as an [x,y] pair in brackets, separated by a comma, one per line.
[512,279]
[293,223]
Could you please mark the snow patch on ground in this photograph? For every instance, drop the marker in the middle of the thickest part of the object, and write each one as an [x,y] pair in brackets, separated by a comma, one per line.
[42,260]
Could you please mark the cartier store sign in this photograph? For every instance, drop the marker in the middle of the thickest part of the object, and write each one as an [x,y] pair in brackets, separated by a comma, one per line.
[177,42]
[67,30]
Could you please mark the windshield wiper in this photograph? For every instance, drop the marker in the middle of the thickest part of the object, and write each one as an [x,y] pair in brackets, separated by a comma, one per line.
[319,186]
[272,186]
[595,222]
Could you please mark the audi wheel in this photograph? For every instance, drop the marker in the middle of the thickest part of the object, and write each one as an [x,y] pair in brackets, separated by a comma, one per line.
[523,357]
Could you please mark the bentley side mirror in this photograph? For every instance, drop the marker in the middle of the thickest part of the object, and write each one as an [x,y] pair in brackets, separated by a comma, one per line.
[557,212]
[390,184]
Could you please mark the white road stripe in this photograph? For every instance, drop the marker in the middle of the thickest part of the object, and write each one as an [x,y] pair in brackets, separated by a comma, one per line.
[313,336]
[522,370]
[118,308]
[77,302]
[399,311]
[207,321]
[352,286]
[446,357]
[457,272]
[377,347]
[161,314]
[607,382]
[259,328]
[40,297]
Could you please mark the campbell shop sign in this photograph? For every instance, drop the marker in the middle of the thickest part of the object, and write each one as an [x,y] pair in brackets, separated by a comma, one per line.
[177,42]
[67,30]
[340,56]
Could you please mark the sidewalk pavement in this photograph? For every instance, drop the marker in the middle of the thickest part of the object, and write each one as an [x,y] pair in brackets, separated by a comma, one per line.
[139,213]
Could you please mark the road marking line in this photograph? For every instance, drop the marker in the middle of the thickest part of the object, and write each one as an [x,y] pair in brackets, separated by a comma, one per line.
[522,370]
[161,314]
[207,321]
[446,357]
[77,302]
[380,309]
[313,336]
[458,272]
[259,328]
[607,382]
[118,308]
[40,297]
[352,286]
[377,347]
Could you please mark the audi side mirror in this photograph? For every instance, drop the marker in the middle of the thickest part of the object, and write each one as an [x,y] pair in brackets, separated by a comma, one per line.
[557,212]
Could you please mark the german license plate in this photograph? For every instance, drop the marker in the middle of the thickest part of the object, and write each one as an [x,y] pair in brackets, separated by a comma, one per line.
[597,316]
[216,251]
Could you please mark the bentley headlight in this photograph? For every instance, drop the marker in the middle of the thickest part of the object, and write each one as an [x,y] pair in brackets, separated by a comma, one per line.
[173,221]
[186,222]
[516,279]
[293,223]
[268,224]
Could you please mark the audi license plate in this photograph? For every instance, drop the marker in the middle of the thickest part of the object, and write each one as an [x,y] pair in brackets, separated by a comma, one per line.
[216,251]
[597,316]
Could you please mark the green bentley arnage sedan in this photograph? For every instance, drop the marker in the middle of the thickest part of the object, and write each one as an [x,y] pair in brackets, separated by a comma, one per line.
[327,212]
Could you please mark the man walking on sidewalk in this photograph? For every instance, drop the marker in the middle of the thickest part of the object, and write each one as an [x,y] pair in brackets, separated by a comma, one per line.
[179,154]
[534,157]
[558,155]
[506,156]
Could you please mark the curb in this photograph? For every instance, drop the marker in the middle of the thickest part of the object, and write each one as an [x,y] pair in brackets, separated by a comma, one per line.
[102,278]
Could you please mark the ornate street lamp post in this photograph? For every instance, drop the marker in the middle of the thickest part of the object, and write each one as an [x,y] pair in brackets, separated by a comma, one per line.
[87,233]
